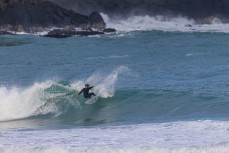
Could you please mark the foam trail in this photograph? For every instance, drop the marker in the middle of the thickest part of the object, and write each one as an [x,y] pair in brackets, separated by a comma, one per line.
[104,86]
[163,23]
[16,103]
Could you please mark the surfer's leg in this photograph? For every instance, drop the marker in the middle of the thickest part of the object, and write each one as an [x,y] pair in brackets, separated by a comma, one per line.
[87,96]
[91,94]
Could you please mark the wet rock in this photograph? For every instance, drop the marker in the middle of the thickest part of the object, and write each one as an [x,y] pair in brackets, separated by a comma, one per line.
[89,33]
[36,15]
[188,25]
[109,30]
[64,33]
[5,33]
[95,21]
[61,33]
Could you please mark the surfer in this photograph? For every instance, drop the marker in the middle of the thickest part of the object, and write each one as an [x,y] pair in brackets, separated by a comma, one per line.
[85,91]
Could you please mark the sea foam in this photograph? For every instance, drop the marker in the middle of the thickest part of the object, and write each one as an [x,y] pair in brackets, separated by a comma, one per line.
[18,103]
[163,23]
[182,137]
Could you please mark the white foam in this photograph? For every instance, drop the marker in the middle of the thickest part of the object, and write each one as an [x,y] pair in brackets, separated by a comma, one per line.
[163,23]
[108,57]
[55,149]
[104,85]
[178,137]
[20,103]
[17,103]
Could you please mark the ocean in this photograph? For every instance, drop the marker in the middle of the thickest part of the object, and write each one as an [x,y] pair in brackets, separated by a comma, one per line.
[163,87]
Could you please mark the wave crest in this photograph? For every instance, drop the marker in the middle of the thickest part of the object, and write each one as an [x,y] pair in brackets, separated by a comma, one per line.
[53,98]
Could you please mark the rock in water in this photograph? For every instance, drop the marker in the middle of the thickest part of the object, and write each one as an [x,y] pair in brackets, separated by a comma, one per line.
[64,33]
[109,30]
[61,33]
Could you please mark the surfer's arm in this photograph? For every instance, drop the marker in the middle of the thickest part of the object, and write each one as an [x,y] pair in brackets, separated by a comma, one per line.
[80,92]
[91,87]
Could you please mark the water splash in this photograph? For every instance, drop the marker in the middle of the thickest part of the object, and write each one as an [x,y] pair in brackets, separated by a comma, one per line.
[104,85]
[163,23]
[19,103]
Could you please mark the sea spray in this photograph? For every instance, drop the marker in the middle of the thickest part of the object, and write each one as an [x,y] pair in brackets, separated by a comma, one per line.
[19,103]
[107,87]
[104,86]
[163,23]
[53,98]
[39,99]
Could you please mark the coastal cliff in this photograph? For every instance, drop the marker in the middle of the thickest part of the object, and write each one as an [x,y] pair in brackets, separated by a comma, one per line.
[33,16]
[200,10]
[37,15]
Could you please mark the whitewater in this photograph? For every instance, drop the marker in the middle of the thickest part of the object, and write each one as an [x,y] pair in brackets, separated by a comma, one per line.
[162,85]
[164,23]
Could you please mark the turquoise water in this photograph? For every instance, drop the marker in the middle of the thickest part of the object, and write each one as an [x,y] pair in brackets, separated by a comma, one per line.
[172,86]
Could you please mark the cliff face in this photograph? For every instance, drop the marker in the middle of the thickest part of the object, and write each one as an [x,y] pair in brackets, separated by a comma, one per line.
[196,9]
[35,15]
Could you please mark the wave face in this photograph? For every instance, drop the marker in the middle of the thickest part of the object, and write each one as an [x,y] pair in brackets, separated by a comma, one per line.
[53,99]
[59,100]
[164,23]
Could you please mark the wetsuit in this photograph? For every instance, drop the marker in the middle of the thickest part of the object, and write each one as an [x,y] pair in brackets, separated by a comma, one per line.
[86,93]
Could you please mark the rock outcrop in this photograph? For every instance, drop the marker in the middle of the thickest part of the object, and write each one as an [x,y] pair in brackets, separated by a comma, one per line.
[38,15]
[70,31]
[64,33]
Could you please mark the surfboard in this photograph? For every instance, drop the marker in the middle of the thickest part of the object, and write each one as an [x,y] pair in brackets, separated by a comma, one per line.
[92,100]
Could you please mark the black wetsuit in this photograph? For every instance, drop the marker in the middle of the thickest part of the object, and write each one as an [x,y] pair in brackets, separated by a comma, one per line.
[86,93]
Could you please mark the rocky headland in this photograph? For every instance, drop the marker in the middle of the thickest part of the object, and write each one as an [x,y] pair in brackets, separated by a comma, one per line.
[32,16]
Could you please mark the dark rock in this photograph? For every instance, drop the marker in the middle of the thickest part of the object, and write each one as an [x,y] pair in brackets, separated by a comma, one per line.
[109,30]
[36,15]
[64,33]
[188,25]
[95,21]
[89,33]
[5,33]
[61,33]
[196,9]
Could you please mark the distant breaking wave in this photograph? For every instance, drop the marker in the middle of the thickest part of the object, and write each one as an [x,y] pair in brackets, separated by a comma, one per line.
[163,23]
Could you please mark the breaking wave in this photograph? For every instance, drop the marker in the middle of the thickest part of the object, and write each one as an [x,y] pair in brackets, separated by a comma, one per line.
[163,23]
[53,98]
[58,99]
